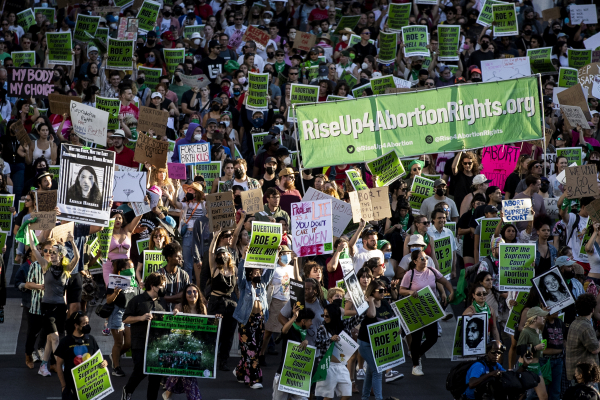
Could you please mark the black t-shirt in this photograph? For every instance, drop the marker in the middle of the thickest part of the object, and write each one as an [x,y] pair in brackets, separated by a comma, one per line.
[449,174]
[463,223]
[212,68]
[308,183]
[187,99]
[125,296]
[383,312]
[363,51]
[478,56]
[462,187]
[292,335]
[511,183]
[72,349]
[138,306]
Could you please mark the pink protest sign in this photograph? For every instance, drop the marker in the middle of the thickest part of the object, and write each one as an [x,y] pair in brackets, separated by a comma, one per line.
[499,162]
[176,171]
[311,229]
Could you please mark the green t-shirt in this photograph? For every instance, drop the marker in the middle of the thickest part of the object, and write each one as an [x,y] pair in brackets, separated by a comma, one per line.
[3,56]
[179,91]
[530,336]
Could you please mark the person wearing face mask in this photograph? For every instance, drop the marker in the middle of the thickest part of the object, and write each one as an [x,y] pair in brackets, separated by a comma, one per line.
[486,52]
[269,179]
[551,32]
[346,65]
[240,178]
[439,196]
[193,135]
[342,44]
[166,20]
[412,70]
[151,43]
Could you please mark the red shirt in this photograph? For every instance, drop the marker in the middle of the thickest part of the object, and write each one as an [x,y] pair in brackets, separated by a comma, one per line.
[334,276]
[204,11]
[340,176]
[287,198]
[125,157]
[131,109]
[317,14]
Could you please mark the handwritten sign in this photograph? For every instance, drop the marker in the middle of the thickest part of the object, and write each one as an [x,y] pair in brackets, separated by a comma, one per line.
[341,211]
[259,37]
[585,13]
[194,153]
[153,119]
[380,201]
[198,81]
[593,210]
[89,123]
[61,103]
[151,150]
[221,210]
[62,231]
[25,82]
[304,41]
[575,116]
[574,96]
[21,133]
[517,210]
[45,200]
[45,220]
[360,201]
[252,200]
[311,228]
[177,171]
[499,162]
[582,181]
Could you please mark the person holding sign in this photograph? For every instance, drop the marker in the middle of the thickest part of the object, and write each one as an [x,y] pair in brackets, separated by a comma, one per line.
[159,238]
[120,243]
[545,252]
[576,225]
[530,346]
[477,296]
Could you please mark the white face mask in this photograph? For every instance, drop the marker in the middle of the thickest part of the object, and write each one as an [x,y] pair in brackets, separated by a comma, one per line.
[364,66]
[197,42]
[45,5]
[344,38]
[226,123]
[198,137]
[281,128]
[113,26]
[242,80]
[287,160]
[267,20]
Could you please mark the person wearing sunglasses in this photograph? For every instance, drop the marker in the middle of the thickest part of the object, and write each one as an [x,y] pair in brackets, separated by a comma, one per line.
[421,226]
[476,297]
[464,169]
[535,168]
[364,48]
[419,276]
[415,168]
[287,189]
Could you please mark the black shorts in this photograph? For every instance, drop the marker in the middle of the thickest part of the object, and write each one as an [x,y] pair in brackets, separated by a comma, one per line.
[74,289]
[55,316]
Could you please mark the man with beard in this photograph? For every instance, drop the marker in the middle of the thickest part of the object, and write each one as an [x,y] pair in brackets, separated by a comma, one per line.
[287,189]
[474,333]
[177,278]
[124,155]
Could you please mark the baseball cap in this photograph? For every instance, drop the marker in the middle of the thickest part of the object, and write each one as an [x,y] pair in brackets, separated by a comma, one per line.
[151,34]
[274,130]
[270,160]
[213,44]
[479,179]
[211,121]
[536,312]
[490,209]
[287,171]
[564,261]
[156,94]
[439,182]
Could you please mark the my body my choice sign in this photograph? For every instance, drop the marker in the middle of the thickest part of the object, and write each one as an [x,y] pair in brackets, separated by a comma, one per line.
[422,122]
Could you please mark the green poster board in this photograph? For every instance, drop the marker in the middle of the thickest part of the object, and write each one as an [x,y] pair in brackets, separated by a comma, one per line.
[486,16]
[147,16]
[142,245]
[347,21]
[120,54]
[540,61]
[443,252]
[579,58]
[153,261]
[258,90]
[188,31]
[567,77]
[573,154]
[151,75]
[515,314]
[300,94]
[23,57]
[505,20]
[210,171]
[516,266]
[417,313]
[448,36]
[60,48]
[173,57]
[488,227]
[85,27]
[112,106]
[451,226]
[48,12]
[421,189]
[91,381]
[398,16]
[104,238]
[386,343]
[264,242]
[388,46]
[297,369]
[416,39]
[26,19]
[386,169]
[356,180]
[258,141]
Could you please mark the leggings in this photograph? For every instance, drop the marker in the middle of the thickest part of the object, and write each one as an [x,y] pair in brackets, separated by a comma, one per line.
[35,323]
[417,349]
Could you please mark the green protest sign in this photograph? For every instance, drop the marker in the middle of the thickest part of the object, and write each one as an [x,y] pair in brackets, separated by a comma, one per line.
[417,313]
[120,54]
[516,266]
[258,90]
[123,3]
[359,91]
[488,227]
[300,94]
[448,37]
[579,58]
[48,12]
[102,34]
[416,39]
[321,371]
[26,19]
[349,78]
[182,345]
[210,171]
[573,154]
[85,27]
[23,57]
[386,343]
[94,246]
[347,21]
[540,61]
[567,77]
[173,57]
[54,170]
[153,261]
[386,169]
[331,97]
[189,30]
[505,20]
[60,48]
[486,16]
[451,226]
[147,16]
[457,347]
[264,241]
[515,314]
[112,106]
[6,216]
[297,369]
[104,238]
[398,16]
[388,46]
[258,141]
[452,119]
[152,75]
[91,381]
[142,245]
[586,237]
[356,180]
[421,189]
[443,252]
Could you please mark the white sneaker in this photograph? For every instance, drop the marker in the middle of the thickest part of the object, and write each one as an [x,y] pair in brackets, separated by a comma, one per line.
[256,386]
[164,396]
[41,354]
[392,376]
[234,374]
[34,357]
[360,374]
[43,371]
[418,371]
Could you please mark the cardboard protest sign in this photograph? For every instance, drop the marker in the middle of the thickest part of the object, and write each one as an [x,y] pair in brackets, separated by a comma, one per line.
[582,181]
[91,381]
[579,58]
[89,123]
[252,200]
[499,162]
[398,15]
[85,26]
[388,46]
[448,36]
[505,20]
[151,150]
[210,171]
[258,36]
[104,11]
[153,261]
[553,290]
[258,90]
[45,200]
[120,54]
[61,232]
[59,48]
[356,180]
[304,41]
[26,82]
[21,133]
[475,333]
[129,186]
[593,210]
[386,169]
[311,227]
[23,57]
[386,343]
[342,211]
[380,202]
[360,200]
[173,57]
[420,190]
[567,77]
[297,369]
[176,171]
[147,16]
[193,355]
[61,103]
[540,61]
[347,21]
[86,184]
[517,210]
[516,266]
[112,106]
[575,116]
[488,227]
[153,119]
[573,154]
[419,312]
[151,75]
[198,81]
[551,13]
[585,13]
[264,242]
[45,220]
[26,19]
[220,210]
[416,39]
[194,153]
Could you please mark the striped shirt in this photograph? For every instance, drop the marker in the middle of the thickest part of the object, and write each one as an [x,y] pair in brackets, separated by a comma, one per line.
[36,276]
[175,284]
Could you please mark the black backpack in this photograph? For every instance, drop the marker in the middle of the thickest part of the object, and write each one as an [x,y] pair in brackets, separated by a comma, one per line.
[457,378]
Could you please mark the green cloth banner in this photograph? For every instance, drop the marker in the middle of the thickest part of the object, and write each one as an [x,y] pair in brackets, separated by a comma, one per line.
[104,238]
[567,77]
[386,169]
[443,252]
[26,19]
[321,372]
[297,369]
[573,154]
[579,58]
[488,227]
[112,106]
[388,46]
[415,39]
[120,54]
[356,180]
[173,57]
[147,16]
[91,381]
[448,36]
[488,114]
[347,21]
[189,30]
[505,20]
[258,90]
[48,12]
[398,16]
[386,343]
[300,94]
[486,16]
[6,216]
[515,314]
[210,171]
[417,313]
[60,47]
[264,242]
[153,261]
[540,61]
[84,25]
[23,57]
[421,189]
[516,266]
[152,75]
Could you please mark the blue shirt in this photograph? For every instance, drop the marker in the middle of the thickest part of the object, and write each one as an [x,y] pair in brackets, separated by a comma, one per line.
[476,370]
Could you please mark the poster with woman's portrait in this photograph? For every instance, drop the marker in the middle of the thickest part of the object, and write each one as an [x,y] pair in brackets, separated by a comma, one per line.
[86,184]
[475,331]
[553,290]
[356,293]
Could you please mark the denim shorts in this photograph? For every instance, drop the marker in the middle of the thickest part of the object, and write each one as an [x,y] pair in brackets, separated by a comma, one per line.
[115,321]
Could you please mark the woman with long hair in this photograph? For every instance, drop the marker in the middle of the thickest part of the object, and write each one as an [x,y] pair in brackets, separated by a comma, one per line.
[561,163]
[159,177]
[159,238]
[342,89]
[587,376]
[545,253]
[516,176]
[24,214]
[232,136]
[82,83]
[43,147]
[494,299]
[79,58]
[89,95]
[477,296]
[508,232]
[85,188]
[312,270]
[22,107]
[429,166]
[559,54]
[551,289]
[227,175]
[154,60]
[5,107]
[93,73]
[464,169]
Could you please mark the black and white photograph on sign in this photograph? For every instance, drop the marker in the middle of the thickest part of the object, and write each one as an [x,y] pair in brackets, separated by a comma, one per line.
[356,293]
[553,290]
[141,208]
[129,186]
[85,184]
[474,334]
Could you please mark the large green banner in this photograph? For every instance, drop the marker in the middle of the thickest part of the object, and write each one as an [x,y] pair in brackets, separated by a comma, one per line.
[173,57]
[91,381]
[448,119]
[398,16]
[152,76]
[540,61]
[505,20]
[448,36]
[84,25]
[120,53]
[182,345]
[386,343]
[488,227]
[515,314]
[421,189]
[258,90]
[443,252]
[297,369]
[59,48]
[516,266]
[387,47]
[417,313]
[147,16]
[112,106]
[264,241]
[579,58]
[6,216]
[386,169]
[153,261]
[415,39]
[104,238]
[567,77]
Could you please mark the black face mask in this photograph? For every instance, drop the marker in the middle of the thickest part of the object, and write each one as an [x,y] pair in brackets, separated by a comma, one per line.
[86,330]
[237,200]
[162,292]
[485,45]
[256,279]
[140,81]
[528,32]
[177,78]
[440,192]
[568,274]
[270,170]
[308,171]
[475,79]
[167,14]
[189,196]
[239,174]
[271,55]
[337,302]
[556,31]
[422,82]
[151,40]
[417,67]
[216,107]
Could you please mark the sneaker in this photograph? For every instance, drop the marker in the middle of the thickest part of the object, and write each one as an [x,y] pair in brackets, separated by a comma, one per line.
[235,374]
[118,371]
[418,371]
[392,376]
[43,371]
[360,375]
[125,395]
[261,361]
[448,316]
[256,386]
[41,354]
[35,357]
[164,396]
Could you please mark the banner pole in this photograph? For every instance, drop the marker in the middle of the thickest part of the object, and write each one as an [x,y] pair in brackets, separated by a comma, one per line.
[298,148]
[544,147]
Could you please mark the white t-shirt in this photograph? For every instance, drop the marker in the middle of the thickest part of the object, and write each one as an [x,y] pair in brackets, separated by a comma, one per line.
[363,256]
[243,184]
[281,282]
[577,237]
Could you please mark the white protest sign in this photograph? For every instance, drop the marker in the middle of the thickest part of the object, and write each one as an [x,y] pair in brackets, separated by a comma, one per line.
[561,178]
[89,123]
[129,186]
[341,211]
[344,348]
[585,13]
[575,116]
[194,153]
[118,281]
[555,92]
[592,43]
[311,228]
[347,265]
[505,68]
[517,210]
[551,204]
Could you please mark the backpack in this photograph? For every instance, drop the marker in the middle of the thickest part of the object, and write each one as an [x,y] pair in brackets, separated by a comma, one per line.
[457,378]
